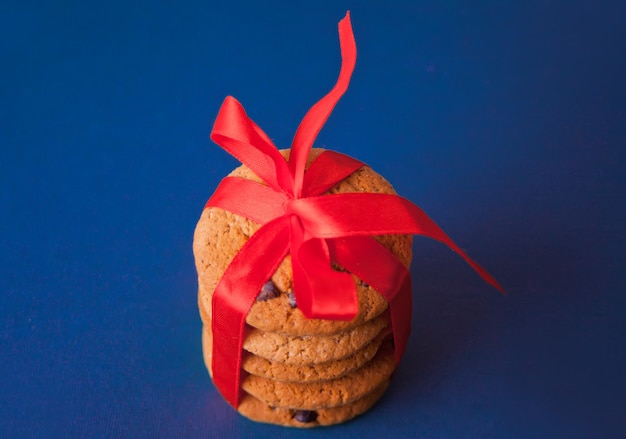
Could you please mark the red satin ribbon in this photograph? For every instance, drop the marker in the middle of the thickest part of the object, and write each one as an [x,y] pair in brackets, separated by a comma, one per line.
[315,229]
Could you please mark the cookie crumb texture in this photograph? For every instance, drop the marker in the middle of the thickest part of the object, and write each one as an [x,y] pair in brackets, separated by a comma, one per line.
[301,372]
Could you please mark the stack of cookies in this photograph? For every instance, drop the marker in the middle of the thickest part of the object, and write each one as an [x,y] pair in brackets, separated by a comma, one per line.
[300,372]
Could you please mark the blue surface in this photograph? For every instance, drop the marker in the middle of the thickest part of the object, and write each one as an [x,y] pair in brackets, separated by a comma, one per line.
[505,121]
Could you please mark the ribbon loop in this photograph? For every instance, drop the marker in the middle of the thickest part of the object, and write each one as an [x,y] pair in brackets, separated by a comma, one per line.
[234,131]
[385,273]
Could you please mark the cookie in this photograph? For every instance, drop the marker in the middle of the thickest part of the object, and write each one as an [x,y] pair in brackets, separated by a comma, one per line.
[325,393]
[312,372]
[256,365]
[312,349]
[259,411]
[220,234]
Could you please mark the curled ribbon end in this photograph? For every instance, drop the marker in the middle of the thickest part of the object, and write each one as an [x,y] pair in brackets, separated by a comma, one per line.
[345,19]
[316,117]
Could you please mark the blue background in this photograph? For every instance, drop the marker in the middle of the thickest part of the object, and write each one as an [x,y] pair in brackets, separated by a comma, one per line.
[505,121]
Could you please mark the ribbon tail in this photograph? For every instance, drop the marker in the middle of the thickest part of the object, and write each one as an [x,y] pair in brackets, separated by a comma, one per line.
[318,114]
[253,265]
[358,214]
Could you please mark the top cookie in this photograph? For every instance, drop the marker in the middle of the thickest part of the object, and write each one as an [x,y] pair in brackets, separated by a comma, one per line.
[220,234]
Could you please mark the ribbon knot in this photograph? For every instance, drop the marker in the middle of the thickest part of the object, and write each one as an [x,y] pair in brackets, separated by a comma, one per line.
[316,229]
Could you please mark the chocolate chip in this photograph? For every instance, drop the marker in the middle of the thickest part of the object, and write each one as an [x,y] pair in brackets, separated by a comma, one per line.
[292,299]
[305,415]
[365,284]
[268,291]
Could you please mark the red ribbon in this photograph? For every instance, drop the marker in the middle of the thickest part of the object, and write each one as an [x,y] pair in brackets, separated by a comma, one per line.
[315,229]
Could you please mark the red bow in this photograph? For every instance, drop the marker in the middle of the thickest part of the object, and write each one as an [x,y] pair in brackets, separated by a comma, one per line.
[315,229]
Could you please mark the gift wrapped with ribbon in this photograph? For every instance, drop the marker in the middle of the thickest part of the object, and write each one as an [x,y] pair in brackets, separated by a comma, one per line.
[329,237]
